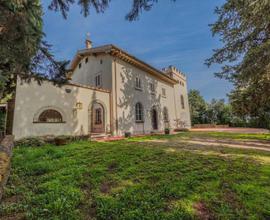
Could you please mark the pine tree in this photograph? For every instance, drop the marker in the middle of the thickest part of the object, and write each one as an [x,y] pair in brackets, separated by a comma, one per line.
[23,50]
[244,28]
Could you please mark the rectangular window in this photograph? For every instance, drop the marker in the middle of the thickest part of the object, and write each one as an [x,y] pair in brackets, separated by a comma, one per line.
[138,84]
[163,92]
[80,65]
[98,81]
[86,60]
[152,88]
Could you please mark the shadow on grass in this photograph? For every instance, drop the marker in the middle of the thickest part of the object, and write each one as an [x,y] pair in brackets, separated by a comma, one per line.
[135,180]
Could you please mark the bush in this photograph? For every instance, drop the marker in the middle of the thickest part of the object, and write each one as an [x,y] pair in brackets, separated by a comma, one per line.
[181,130]
[127,134]
[41,141]
[30,142]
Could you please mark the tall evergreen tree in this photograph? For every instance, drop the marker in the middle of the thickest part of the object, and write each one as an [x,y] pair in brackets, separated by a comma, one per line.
[244,28]
[23,50]
[198,107]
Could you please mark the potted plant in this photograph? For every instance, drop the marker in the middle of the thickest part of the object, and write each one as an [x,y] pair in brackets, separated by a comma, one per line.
[127,134]
[167,130]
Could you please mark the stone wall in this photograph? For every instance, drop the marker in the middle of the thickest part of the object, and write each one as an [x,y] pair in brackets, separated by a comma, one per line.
[5,157]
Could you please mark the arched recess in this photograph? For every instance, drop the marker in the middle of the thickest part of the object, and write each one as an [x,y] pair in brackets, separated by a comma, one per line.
[48,108]
[97,117]
[154,118]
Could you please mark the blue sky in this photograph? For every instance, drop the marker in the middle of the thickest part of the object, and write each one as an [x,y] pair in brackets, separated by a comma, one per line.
[172,33]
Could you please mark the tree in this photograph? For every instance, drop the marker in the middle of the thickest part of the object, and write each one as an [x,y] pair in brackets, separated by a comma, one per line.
[252,103]
[244,28]
[23,50]
[198,107]
[218,112]
[100,6]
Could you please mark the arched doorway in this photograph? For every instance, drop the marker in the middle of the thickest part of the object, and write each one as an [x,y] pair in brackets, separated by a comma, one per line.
[154,117]
[98,118]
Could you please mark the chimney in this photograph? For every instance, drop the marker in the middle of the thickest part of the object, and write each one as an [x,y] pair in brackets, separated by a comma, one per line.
[88,42]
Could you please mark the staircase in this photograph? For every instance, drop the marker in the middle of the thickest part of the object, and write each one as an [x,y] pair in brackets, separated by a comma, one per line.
[102,137]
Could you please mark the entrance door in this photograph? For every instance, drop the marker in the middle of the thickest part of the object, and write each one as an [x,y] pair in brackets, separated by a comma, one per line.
[98,122]
[154,119]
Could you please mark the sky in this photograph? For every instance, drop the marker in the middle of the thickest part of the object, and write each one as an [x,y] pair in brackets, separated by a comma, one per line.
[172,33]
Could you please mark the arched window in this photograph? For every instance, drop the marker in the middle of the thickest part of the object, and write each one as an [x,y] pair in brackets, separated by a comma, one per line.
[165,114]
[182,102]
[98,118]
[50,116]
[139,112]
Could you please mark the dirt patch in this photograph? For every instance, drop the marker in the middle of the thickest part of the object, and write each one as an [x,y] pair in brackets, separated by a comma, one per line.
[231,145]
[106,187]
[113,166]
[202,212]
[88,205]
[233,130]
[12,199]
[16,216]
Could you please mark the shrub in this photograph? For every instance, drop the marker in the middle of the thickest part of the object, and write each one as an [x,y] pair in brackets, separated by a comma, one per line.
[167,131]
[49,139]
[181,130]
[127,134]
[30,142]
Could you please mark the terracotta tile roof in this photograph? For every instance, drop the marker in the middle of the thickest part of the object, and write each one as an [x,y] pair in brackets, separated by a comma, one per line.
[123,55]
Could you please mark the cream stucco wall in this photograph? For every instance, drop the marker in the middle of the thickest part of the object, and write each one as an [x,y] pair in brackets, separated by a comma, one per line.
[125,96]
[32,99]
[181,89]
[118,77]
[96,65]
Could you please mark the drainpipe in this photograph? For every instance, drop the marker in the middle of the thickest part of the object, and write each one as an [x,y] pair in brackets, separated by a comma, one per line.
[115,91]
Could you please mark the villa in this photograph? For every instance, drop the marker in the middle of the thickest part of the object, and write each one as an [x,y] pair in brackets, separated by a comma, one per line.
[109,92]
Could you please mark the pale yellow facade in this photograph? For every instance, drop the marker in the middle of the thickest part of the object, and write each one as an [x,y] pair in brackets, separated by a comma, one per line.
[105,75]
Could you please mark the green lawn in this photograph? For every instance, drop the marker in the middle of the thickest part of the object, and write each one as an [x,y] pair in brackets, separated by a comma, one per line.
[139,179]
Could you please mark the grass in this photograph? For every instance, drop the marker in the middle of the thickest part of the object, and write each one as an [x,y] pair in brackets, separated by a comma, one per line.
[217,135]
[138,179]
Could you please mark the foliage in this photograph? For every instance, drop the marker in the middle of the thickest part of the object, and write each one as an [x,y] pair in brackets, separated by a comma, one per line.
[100,6]
[30,142]
[244,28]
[23,50]
[244,109]
[198,107]
[215,112]
[252,102]
[2,120]
[137,179]
[218,112]
[45,140]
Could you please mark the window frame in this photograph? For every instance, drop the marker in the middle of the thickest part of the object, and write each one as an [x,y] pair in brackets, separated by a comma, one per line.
[138,83]
[152,88]
[139,113]
[98,116]
[166,113]
[50,110]
[98,76]
[163,92]
[182,100]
